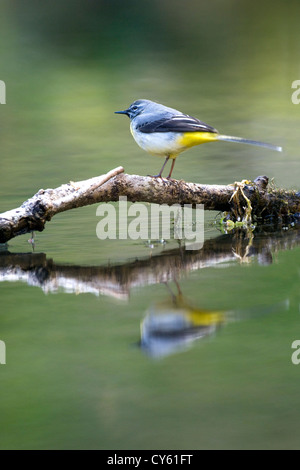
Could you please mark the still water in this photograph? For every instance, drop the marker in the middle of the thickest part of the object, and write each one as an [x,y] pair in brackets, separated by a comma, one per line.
[125,344]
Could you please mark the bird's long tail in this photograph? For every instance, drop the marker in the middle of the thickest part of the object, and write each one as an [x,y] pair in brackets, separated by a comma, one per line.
[240,140]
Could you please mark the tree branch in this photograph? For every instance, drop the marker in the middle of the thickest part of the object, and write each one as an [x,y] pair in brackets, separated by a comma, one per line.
[240,200]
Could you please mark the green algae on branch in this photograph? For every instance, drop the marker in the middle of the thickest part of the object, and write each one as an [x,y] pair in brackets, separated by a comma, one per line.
[260,203]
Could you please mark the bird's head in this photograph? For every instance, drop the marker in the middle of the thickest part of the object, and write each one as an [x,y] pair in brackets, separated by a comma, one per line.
[136,108]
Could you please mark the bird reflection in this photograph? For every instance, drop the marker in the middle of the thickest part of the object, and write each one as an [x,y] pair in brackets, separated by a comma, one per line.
[173,325]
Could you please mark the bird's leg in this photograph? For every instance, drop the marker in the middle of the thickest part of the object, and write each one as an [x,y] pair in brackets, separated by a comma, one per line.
[162,169]
[173,296]
[172,166]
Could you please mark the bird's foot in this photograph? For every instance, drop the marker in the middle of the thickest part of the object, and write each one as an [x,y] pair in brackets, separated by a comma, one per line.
[170,179]
[74,186]
[158,176]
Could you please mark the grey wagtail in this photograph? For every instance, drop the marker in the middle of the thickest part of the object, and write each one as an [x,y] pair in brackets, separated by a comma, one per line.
[167,132]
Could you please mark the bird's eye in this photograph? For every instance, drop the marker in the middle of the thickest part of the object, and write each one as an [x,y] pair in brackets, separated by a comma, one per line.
[134,108]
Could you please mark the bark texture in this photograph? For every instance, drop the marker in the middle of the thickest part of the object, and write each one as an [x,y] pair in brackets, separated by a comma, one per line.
[244,201]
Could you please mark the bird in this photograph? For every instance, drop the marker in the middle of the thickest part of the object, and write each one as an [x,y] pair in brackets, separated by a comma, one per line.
[167,132]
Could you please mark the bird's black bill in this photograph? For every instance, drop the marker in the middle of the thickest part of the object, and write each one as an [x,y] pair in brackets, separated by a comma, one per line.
[122,112]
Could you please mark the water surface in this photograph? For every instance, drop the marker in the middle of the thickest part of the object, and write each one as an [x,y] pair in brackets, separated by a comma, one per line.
[78,374]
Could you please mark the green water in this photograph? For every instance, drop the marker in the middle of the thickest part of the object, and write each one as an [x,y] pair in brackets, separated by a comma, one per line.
[71,314]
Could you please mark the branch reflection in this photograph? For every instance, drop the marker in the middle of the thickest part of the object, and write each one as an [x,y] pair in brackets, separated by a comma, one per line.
[117,281]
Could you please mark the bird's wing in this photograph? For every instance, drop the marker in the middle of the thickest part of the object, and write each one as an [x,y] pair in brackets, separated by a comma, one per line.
[176,123]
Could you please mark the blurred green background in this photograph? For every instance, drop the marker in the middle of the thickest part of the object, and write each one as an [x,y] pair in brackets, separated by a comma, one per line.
[74,376]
